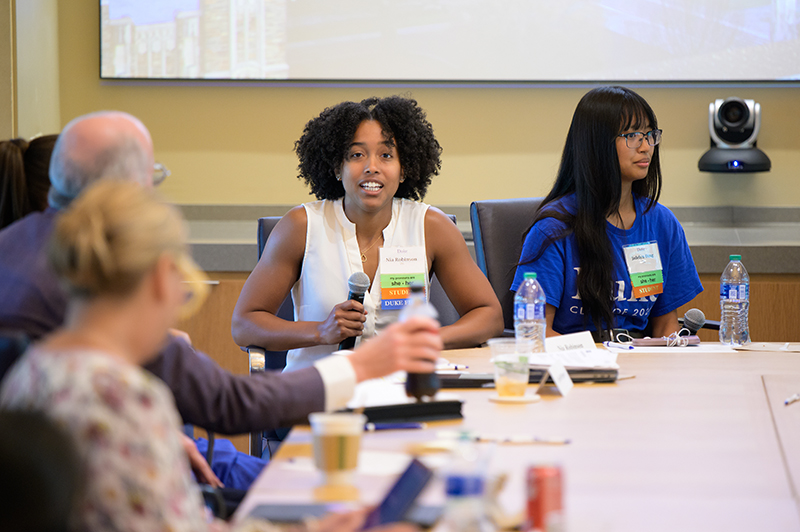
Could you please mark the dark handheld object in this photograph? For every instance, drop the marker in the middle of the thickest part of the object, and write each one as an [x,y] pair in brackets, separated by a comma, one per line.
[401,496]
[694,319]
[419,385]
[359,284]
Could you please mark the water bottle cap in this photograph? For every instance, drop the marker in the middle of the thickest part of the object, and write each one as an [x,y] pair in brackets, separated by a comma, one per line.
[735,257]
[464,485]
[530,275]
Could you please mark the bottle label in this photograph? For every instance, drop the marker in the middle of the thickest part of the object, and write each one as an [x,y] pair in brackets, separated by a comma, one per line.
[529,311]
[740,292]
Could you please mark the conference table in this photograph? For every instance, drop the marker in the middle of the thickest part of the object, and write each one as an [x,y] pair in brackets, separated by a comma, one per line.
[696,438]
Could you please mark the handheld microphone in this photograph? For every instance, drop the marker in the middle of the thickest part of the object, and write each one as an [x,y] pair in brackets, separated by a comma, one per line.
[359,284]
[694,319]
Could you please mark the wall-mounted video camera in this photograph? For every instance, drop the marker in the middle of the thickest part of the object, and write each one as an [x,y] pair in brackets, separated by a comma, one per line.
[733,125]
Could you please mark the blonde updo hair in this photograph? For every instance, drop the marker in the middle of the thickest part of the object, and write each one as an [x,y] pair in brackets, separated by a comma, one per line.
[111,237]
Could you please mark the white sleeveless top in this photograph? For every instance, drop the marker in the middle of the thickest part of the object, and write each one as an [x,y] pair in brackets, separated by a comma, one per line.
[332,255]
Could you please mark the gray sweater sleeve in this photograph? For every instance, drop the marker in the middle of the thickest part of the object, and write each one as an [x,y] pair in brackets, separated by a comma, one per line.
[212,398]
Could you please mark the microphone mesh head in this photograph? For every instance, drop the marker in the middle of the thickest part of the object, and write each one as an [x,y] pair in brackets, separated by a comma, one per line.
[358,283]
[694,319]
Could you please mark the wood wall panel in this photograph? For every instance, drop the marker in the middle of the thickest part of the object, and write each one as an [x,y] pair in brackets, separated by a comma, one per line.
[210,330]
[774,307]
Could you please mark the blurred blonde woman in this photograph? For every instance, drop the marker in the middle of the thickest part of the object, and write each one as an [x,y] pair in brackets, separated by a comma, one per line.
[122,256]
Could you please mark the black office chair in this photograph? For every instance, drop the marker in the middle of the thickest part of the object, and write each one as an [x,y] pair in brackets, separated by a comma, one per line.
[498,229]
[41,471]
[262,359]
[12,344]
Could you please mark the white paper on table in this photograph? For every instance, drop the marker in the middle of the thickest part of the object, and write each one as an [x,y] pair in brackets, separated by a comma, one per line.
[442,363]
[373,462]
[577,358]
[370,462]
[379,392]
[789,347]
[444,367]
[711,347]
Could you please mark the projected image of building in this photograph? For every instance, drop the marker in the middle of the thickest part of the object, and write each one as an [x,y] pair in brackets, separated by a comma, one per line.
[212,39]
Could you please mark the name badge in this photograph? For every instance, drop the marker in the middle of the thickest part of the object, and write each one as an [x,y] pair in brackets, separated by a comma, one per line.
[399,268]
[569,342]
[560,377]
[644,267]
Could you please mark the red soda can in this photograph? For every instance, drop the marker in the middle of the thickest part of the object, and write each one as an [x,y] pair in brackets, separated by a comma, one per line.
[545,508]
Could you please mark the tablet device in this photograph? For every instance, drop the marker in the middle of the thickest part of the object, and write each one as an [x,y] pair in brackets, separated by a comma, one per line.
[401,497]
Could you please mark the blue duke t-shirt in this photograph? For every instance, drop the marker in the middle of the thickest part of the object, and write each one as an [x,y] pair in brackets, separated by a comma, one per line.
[557,268]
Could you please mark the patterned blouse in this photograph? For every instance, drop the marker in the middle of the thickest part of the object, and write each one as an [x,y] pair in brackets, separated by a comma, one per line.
[126,427]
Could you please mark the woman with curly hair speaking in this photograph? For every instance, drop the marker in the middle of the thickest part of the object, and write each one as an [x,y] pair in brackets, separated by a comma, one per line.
[368,164]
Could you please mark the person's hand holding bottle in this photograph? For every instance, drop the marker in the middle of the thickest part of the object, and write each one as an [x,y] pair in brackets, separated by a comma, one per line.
[412,346]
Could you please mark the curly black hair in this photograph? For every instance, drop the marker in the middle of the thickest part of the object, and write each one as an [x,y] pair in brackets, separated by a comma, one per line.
[326,139]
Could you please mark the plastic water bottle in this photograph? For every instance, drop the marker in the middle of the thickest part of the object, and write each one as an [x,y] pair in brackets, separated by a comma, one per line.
[418,304]
[529,321]
[734,301]
[419,385]
[465,483]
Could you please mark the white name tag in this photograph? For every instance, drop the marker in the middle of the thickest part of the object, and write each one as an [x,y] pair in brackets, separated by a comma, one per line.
[569,342]
[642,257]
[560,377]
[399,268]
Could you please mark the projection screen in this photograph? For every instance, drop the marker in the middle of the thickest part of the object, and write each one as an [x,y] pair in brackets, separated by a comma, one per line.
[451,40]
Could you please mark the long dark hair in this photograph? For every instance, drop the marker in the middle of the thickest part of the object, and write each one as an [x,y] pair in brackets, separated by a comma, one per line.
[590,170]
[24,180]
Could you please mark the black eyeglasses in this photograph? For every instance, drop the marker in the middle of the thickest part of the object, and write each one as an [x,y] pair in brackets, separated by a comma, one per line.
[635,139]
[160,173]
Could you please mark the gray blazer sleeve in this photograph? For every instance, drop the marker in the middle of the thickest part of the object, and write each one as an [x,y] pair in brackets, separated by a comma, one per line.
[212,398]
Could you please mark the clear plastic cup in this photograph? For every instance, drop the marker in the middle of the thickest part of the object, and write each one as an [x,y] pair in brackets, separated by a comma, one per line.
[511,367]
[336,442]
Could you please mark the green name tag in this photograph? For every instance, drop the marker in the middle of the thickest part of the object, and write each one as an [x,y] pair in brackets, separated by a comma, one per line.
[400,280]
[647,278]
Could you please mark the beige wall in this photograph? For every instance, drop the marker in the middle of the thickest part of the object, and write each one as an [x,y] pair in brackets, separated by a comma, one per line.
[8,73]
[37,67]
[232,143]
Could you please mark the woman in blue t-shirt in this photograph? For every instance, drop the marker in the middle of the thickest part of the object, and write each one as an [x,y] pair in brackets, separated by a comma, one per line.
[606,253]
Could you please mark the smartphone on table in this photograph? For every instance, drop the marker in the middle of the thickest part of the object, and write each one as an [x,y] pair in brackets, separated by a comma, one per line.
[401,496]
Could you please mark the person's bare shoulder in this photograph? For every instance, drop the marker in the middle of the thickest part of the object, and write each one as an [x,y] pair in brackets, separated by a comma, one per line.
[440,229]
[289,231]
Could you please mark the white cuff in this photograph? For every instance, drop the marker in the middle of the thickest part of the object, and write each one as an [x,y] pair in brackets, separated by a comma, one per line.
[338,379]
